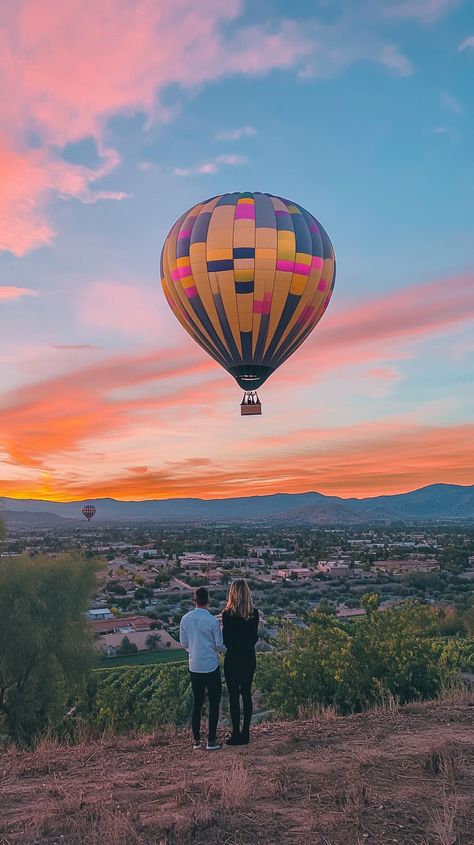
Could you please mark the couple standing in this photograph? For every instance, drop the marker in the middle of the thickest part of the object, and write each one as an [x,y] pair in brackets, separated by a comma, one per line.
[201,635]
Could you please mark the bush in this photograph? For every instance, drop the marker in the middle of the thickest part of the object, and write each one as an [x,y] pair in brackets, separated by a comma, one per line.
[46,645]
[350,668]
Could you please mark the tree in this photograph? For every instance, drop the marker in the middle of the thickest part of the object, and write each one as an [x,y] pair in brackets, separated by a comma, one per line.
[152,641]
[390,654]
[126,647]
[46,644]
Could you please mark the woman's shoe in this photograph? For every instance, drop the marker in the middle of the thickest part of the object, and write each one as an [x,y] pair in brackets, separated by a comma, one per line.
[233,739]
[244,738]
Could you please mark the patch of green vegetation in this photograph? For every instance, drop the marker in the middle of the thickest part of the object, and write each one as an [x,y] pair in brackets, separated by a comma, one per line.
[177,655]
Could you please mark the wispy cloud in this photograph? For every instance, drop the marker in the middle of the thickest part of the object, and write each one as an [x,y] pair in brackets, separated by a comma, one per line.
[76,346]
[450,103]
[9,293]
[236,134]
[467,43]
[380,329]
[426,11]
[210,167]
[96,196]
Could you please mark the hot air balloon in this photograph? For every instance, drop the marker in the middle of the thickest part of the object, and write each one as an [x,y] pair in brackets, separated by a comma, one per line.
[248,276]
[88,511]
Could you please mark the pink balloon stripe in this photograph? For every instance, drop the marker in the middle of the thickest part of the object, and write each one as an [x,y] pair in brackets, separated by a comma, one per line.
[303,269]
[245,211]
[285,265]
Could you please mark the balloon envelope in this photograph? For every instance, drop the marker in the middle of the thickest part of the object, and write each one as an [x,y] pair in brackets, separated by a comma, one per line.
[88,511]
[249,276]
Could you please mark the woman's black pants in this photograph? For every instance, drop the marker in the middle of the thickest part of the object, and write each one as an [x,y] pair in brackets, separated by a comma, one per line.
[239,679]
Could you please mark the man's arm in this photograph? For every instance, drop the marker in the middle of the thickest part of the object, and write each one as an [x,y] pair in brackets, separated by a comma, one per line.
[183,635]
[218,637]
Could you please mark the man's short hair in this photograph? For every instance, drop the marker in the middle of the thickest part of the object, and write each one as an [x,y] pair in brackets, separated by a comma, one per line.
[201,596]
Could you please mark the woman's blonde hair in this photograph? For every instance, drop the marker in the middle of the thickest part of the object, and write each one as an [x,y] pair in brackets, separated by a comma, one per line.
[239,600]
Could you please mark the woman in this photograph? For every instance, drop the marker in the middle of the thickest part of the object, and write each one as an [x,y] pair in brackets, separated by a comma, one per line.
[240,632]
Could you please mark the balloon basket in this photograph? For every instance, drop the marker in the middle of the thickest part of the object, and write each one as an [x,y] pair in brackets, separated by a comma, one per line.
[250,405]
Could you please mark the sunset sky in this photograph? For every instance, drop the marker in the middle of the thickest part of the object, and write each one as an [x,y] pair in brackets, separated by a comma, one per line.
[116,116]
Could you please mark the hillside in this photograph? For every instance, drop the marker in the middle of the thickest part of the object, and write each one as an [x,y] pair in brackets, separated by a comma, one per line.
[403,777]
[437,501]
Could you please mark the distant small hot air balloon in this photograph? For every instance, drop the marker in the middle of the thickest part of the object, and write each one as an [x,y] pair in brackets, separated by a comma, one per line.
[249,276]
[88,511]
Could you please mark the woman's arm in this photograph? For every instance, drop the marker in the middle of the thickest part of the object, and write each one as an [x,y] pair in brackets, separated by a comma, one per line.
[256,621]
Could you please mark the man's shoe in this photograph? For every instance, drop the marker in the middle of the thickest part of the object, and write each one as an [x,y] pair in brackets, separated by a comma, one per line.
[198,745]
[233,739]
[213,746]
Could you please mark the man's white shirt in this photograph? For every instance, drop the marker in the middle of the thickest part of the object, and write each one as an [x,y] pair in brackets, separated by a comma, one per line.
[200,634]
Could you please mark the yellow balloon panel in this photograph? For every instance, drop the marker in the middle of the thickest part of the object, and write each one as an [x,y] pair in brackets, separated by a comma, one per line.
[249,276]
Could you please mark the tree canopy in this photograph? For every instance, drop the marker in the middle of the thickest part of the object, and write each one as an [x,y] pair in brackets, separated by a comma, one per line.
[46,646]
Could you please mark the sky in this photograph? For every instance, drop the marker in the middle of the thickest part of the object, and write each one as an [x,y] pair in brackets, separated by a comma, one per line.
[117,117]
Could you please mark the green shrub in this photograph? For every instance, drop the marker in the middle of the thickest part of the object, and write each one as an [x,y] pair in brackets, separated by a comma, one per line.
[387,654]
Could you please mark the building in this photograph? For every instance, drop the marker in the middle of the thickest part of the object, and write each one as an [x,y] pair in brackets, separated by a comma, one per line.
[114,624]
[402,567]
[334,568]
[299,573]
[344,612]
[99,613]
[110,643]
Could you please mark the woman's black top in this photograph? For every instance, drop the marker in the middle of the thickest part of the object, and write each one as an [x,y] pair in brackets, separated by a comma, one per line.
[240,636]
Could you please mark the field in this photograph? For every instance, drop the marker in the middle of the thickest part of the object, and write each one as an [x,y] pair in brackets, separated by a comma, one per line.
[176,655]
[402,776]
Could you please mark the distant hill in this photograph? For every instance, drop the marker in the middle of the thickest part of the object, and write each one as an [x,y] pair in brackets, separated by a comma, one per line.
[34,519]
[437,501]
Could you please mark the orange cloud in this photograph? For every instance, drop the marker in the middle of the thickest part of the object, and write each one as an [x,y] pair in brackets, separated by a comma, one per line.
[104,400]
[54,416]
[361,460]
[10,293]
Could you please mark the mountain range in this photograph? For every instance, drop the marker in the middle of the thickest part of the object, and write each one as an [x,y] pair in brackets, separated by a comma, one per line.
[437,501]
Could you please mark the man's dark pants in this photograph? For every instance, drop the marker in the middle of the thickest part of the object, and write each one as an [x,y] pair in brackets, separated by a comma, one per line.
[200,681]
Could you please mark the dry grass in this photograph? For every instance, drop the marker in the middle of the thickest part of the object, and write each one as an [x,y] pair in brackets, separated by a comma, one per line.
[77,824]
[446,760]
[382,777]
[317,711]
[442,820]
[234,787]
[283,784]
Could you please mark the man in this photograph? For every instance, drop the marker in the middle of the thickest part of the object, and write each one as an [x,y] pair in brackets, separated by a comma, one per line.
[200,634]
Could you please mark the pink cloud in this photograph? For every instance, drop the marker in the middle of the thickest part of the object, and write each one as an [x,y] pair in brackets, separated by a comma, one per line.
[29,178]
[125,308]
[379,328]
[10,293]
[67,67]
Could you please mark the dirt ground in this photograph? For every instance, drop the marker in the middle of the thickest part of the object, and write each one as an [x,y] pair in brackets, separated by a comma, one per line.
[403,777]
